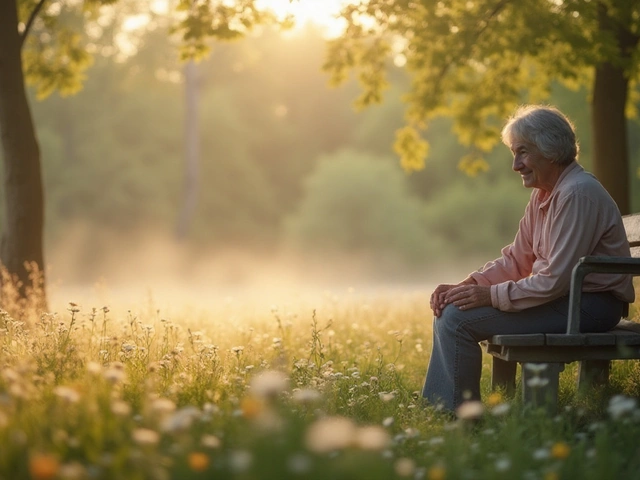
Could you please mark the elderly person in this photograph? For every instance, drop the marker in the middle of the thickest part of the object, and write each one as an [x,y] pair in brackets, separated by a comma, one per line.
[526,290]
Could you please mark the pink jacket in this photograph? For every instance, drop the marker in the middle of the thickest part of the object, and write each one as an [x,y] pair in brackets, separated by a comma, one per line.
[577,218]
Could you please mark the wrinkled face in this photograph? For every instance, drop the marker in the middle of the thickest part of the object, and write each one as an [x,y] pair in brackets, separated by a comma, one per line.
[536,171]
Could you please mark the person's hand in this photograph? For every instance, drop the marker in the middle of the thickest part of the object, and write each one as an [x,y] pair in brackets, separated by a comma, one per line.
[468,296]
[437,302]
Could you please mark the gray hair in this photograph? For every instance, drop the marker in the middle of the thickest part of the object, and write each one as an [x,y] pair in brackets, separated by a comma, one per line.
[545,127]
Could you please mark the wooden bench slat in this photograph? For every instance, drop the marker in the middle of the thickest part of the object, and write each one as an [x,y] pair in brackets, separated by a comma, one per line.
[532,339]
[557,339]
[627,338]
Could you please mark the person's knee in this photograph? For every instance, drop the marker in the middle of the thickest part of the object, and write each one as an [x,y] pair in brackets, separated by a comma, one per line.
[447,323]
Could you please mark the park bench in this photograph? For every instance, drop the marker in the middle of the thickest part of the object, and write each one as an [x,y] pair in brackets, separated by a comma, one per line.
[543,356]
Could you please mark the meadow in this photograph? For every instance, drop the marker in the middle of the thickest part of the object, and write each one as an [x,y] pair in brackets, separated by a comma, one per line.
[317,387]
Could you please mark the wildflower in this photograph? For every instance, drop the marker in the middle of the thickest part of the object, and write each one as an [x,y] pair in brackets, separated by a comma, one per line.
[251,407]
[470,410]
[536,367]
[387,422]
[72,471]
[436,441]
[404,467]
[306,396]
[145,436]
[619,406]
[500,409]
[330,434]
[540,454]
[411,432]
[269,384]
[537,382]
[560,450]
[503,464]
[43,466]
[240,460]
[386,397]
[437,472]
[237,350]
[67,393]
[372,438]
[120,408]
[162,406]
[494,399]
[198,461]
[180,420]
[210,441]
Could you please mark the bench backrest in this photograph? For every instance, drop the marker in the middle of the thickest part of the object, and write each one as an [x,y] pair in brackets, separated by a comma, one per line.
[632,226]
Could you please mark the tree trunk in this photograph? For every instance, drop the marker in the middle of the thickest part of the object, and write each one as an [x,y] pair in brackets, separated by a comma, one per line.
[21,244]
[192,150]
[609,132]
[610,91]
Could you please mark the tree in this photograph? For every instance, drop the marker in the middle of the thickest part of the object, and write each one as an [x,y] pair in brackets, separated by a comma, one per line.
[476,60]
[41,41]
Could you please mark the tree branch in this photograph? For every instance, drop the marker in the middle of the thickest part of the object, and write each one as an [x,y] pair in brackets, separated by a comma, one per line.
[29,23]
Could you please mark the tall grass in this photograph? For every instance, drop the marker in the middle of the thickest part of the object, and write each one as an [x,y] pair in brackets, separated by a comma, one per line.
[320,389]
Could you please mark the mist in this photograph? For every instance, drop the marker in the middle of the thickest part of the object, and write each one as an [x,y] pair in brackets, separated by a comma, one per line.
[293,193]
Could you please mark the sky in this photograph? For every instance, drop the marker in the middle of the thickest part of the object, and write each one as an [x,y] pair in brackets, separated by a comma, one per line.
[320,12]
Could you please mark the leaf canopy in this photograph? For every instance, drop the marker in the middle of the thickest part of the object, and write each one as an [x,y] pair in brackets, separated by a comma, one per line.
[475,60]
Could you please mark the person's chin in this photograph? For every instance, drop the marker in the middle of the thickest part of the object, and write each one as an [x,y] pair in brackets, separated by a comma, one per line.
[527,181]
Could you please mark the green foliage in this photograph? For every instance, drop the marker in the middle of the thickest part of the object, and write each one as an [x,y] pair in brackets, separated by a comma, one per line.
[202,21]
[356,203]
[475,61]
[456,227]
[411,148]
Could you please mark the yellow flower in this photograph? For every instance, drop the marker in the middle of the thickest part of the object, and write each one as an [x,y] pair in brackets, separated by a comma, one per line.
[198,461]
[43,466]
[437,472]
[560,450]
[251,407]
[494,399]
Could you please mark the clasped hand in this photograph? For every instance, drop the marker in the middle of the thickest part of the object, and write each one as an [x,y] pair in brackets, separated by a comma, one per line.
[464,296]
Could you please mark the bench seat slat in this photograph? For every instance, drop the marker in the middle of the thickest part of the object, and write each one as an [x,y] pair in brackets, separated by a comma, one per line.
[532,339]
[557,339]
[613,337]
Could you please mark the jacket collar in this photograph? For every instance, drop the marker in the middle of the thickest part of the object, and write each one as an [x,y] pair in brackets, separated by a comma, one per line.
[545,198]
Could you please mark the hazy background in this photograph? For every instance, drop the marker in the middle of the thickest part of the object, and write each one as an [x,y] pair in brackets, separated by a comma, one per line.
[294,186]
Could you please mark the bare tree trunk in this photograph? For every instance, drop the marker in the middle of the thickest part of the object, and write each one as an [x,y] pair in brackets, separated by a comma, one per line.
[21,244]
[192,150]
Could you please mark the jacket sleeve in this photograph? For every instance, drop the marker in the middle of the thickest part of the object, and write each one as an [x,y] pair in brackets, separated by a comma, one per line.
[516,259]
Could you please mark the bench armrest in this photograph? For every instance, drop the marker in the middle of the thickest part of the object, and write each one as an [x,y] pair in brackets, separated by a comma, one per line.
[593,264]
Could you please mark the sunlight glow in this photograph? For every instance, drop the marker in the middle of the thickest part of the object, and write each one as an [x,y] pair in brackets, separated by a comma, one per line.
[322,13]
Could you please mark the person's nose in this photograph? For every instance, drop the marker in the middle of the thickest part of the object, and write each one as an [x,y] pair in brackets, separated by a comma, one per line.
[517,163]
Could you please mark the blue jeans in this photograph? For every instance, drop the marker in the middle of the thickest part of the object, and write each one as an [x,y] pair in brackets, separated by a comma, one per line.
[456,358]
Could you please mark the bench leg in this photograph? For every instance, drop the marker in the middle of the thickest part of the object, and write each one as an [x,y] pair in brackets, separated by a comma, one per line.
[540,384]
[592,373]
[503,375]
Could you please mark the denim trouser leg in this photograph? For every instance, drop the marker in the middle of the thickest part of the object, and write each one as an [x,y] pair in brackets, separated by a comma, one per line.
[456,359]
